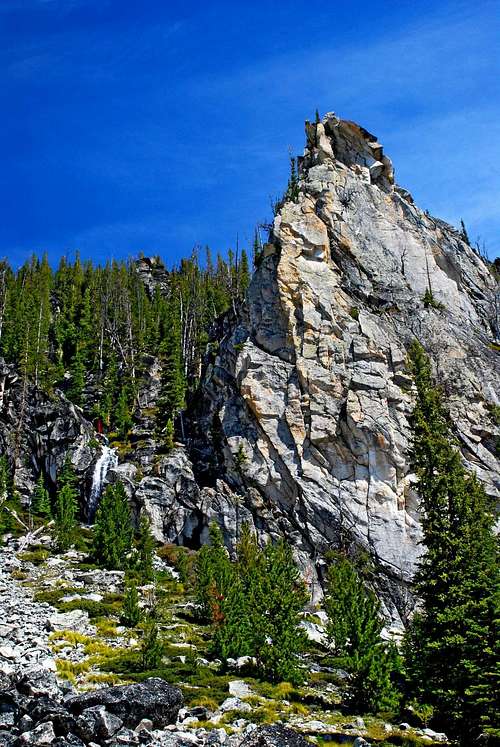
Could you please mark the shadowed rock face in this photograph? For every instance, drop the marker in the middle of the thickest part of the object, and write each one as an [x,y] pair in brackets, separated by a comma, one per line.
[38,432]
[310,382]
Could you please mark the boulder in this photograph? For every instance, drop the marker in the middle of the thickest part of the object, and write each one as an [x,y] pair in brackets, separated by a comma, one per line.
[234,704]
[95,724]
[274,736]
[44,709]
[240,689]
[77,620]
[152,699]
[41,735]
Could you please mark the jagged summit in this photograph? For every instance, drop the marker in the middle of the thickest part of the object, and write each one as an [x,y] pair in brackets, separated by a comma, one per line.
[348,143]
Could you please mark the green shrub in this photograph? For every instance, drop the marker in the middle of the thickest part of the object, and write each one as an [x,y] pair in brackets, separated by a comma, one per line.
[113,532]
[131,613]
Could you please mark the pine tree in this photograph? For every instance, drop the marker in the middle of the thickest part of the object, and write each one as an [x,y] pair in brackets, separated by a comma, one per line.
[41,506]
[67,476]
[77,381]
[182,565]
[212,572]
[463,233]
[169,435]
[244,272]
[145,547]
[278,597]
[240,459]
[257,249]
[292,192]
[122,417]
[255,604]
[113,531]
[233,634]
[452,647]
[65,517]
[131,612]
[151,647]
[354,627]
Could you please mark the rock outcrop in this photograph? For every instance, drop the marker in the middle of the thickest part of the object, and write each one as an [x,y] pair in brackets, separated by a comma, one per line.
[304,411]
[38,432]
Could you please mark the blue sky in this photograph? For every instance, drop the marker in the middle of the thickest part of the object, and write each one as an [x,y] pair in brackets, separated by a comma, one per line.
[157,125]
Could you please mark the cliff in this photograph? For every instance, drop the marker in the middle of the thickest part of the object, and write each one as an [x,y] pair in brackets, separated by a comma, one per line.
[305,409]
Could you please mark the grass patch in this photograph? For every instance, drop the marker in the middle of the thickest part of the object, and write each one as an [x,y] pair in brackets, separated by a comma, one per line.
[110,605]
[54,596]
[37,556]
[106,628]
[103,678]
[19,575]
[70,670]
[70,637]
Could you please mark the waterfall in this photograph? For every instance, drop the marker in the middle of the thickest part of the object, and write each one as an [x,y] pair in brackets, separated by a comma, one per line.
[107,460]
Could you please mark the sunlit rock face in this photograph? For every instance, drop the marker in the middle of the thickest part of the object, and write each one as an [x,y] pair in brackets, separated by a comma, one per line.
[304,413]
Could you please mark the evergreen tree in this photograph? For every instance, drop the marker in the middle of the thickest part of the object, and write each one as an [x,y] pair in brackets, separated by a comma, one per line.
[131,612]
[77,380]
[213,573]
[113,531]
[256,609]
[463,233]
[66,506]
[145,547]
[151,647]
[233,634]
[244,272]
[4,478]
[452,647]
[292,192]
[353,629]
[169,435]
[65,517]
[122,417]
[67,476]
[278,597]
[257,249]
[240,459]
[41,500]
[182,565]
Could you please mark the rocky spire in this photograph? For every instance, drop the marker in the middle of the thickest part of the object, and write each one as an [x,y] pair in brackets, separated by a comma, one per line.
[311,383]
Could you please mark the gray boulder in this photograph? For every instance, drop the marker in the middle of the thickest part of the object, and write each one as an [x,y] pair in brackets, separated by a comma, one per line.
[43,734]
[153,699]
[95,724]
[274,736]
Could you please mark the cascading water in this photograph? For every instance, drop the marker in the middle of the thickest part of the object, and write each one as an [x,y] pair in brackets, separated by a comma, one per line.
[108,460]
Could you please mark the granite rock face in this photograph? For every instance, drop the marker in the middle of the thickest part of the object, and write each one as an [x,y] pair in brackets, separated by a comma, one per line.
[305,409]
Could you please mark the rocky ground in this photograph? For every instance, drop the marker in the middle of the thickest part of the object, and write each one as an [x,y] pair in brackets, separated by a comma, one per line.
[68,666]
